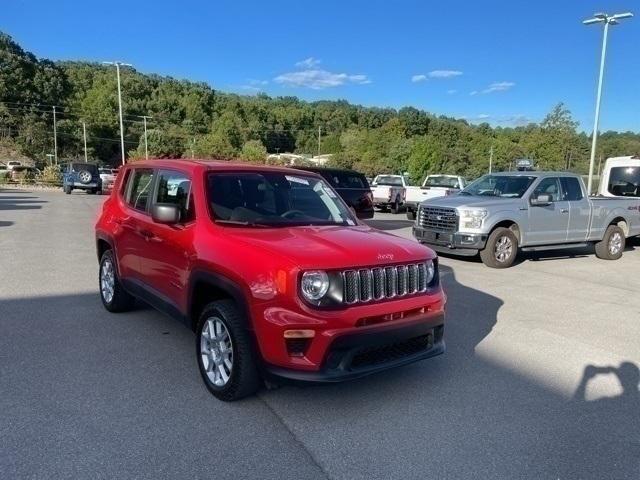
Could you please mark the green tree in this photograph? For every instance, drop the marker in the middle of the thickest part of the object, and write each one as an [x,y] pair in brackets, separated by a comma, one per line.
[254,151]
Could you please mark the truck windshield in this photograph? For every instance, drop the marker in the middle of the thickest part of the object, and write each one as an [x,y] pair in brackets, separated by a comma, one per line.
[506,186]
[388,181]
[624,181]
[441,181]
[274,199]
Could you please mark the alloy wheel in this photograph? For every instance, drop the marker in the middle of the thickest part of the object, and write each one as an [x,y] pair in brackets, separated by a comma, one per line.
[107,280]
[503,249]
[216,351]
[615,243]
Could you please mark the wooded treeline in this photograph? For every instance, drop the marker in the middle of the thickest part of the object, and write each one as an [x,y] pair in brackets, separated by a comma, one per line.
[193,119]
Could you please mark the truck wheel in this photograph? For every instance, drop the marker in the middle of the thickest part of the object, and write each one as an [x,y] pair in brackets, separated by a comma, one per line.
[66,189]
[501,249]
[395,208]
[612,244]
[411,214]
[225,354]
[114,297]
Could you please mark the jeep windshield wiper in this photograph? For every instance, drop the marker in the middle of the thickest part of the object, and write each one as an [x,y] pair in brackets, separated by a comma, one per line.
[242,223]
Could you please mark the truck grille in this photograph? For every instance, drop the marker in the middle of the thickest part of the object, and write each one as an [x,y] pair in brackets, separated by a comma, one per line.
[438,219]
[379,283]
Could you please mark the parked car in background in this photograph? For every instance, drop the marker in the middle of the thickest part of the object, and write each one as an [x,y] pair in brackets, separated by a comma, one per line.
[23,173]
[433,186]
[107,178]
[11,164]
[620,177]
[389,192]
[351,186]
[271,270]
[81,176]
[4,171]
[500,214]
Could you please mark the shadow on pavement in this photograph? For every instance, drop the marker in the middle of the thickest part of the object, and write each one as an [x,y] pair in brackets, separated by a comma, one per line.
[15,201]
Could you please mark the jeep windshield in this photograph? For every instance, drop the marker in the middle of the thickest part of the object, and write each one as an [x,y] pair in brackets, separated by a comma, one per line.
[504,186]
[274,199]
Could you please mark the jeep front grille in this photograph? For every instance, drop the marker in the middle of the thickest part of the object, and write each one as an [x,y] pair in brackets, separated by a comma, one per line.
[438,219]
[368,284]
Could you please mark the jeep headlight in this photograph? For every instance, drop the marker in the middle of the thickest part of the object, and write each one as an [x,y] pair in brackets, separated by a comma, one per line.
[314,285]
[472,218]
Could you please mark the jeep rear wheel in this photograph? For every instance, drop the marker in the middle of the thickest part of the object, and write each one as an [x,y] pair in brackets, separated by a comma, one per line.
[114,297]
[501,249]
[225,353]
[66,189]
[612,244]
[395,207]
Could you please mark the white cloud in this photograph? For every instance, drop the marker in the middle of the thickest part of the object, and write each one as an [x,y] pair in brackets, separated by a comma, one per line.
[444,73]
[255,82]
[418,78]
[499,87]
[319,79]
[310,62]
[475,92]
[483,116]
[451,92]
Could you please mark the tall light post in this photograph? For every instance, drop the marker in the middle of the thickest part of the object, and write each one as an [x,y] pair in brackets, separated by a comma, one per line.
[607,20]
[118,65]
[55,136]
[146,147]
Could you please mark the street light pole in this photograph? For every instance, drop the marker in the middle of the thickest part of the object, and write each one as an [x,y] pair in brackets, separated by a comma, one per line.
[55,136]
[118,65]
[146,147]
[84,134]
[607,20]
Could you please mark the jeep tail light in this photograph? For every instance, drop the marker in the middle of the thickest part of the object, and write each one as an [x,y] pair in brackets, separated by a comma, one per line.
[369,197]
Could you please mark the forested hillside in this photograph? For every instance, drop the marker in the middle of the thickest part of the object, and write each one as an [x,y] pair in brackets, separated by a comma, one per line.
[191,118]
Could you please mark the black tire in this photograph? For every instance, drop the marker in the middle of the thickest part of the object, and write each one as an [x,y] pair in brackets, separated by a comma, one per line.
[411,214]
[395,208]
[612,244]
[489,254]
[244,379]
[121,300]
[92,191]
[66,189]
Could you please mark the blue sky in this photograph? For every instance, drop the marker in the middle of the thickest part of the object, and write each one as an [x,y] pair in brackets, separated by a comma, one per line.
[505,62]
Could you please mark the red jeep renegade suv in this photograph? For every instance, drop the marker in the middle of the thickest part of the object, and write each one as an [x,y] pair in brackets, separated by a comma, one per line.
[270,268]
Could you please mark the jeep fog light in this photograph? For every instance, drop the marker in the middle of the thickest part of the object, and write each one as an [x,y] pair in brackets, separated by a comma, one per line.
[314,285]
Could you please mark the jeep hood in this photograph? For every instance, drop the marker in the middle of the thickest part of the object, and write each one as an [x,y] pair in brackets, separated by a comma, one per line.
[332,247]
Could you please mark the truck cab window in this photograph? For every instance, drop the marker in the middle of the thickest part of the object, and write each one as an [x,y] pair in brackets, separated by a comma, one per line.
[548,186]
[571,190]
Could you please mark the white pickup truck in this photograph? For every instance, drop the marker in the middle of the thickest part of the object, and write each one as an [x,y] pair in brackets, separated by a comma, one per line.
[389,191]
[432,187]
[620,177]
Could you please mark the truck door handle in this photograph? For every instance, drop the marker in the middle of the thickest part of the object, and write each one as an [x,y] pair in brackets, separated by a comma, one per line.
[564,210]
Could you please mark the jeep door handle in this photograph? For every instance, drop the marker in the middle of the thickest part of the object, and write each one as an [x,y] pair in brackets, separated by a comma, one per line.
[150,236]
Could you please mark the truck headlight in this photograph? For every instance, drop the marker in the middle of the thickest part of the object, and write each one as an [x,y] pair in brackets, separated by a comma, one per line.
[314,285]
[472,218]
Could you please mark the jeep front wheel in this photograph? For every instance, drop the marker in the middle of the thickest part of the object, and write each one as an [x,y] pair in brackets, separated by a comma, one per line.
[225,353]
[501,249]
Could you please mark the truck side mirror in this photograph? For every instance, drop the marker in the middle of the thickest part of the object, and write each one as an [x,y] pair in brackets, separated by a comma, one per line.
[542,200]
[166,213]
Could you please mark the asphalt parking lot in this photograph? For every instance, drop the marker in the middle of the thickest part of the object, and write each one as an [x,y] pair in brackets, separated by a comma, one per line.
[540,379]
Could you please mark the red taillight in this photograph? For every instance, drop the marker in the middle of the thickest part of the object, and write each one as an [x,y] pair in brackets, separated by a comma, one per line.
[369,197]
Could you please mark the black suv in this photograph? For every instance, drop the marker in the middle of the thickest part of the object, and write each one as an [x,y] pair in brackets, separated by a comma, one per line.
[351,186]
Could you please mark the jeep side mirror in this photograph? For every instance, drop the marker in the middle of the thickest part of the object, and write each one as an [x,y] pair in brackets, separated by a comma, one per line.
[166,213]
[542,200]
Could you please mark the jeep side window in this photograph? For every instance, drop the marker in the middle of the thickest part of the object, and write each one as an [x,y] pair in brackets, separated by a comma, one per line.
[548,186]
[140,190]
[175,188]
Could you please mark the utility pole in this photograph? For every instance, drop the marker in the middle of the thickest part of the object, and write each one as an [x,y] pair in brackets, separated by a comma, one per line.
[55,136]
[319,133]
[118,65]
[49,157]
[146,147]
[607,20]
[84,134]
[491,159]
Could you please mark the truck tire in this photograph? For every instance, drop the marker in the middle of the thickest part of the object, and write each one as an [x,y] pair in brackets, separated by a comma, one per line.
[612,244]
[411,214]
[66,189]
[226,359]
[501,249]
[114,297]
[395,207]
